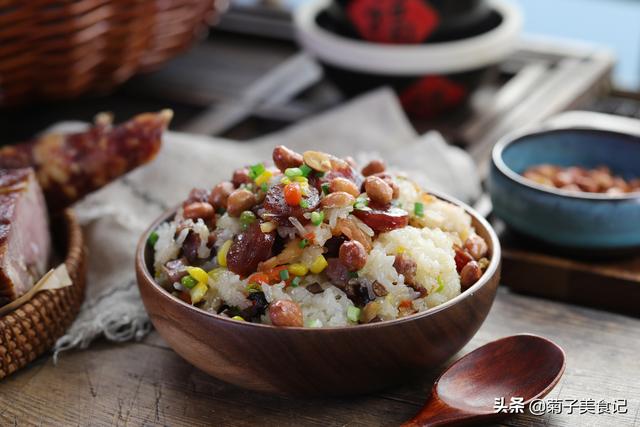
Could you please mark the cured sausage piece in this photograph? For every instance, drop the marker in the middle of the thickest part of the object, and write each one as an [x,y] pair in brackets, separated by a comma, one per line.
[69,166]
[25,245]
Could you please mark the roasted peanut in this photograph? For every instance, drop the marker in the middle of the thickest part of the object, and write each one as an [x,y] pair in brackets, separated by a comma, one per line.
[339,199]
[240,176]
[353,255]
[196,210]
[343,184]
[598,180]
[285,158]
[239,201]
[318,160]
[373,167]
[476,246]
[406,266]
[285,313]
[378,190]
[470,274]
[220,194]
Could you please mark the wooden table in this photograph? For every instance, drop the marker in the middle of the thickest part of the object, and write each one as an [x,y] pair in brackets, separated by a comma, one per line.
[146,383]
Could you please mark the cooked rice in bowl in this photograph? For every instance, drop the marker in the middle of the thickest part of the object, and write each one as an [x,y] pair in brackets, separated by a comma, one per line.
[315,242]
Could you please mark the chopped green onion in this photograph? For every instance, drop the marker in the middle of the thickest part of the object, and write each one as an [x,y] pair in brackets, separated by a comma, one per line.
[303,243]
[296,281]
[284,274]
[306,170]
[353,274]
[353,313]
[315,323]
[291,172]
[256,170]
[304,204]
[153,238]
[440,284]
[264,187]
[188,282]
[418,209]
[317,217]
[325,188]
[361,202]
[221,211]
[247,217]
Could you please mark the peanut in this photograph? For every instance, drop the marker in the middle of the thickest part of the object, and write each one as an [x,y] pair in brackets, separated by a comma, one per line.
[240,176]
[470,274]
[476,246]
[220,194]
[373,167]
[378,190]
[353,255]
[285,313]
[343,184]
[285,158]
[196,210]
[339,199]
[240,200]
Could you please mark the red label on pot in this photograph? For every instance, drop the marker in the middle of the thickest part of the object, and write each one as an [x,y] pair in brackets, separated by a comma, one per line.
[431,96]
[393,21]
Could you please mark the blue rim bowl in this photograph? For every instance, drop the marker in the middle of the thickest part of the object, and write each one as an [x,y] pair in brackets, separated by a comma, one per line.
[567,219]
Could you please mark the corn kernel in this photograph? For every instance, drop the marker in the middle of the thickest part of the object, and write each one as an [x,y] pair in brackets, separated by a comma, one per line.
[199,274]
[300,179]
[285,180]
[215,272]
[198,292]
[298,269]
[318,265]
[222,253]
[267,227]
[238,318]
[400,250]
[264,177]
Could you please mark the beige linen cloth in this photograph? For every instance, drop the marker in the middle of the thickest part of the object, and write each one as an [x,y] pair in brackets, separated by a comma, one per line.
[114,217]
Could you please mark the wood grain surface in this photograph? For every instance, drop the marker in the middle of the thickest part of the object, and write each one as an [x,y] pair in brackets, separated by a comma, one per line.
[533,268]
[147,383]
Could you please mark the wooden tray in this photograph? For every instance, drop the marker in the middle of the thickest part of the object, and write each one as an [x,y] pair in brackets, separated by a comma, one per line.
[530,267]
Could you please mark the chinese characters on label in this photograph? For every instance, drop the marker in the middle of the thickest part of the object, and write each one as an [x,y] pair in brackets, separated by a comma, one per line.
[515,405]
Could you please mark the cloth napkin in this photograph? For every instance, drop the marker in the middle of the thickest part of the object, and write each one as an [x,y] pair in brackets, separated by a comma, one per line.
[114,217]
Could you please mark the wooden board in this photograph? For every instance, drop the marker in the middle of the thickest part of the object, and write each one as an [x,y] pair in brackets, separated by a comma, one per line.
[146,383]
[532,268]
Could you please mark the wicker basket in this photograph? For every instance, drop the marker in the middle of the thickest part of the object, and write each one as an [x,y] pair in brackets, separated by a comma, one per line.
[55,49]
[34,327]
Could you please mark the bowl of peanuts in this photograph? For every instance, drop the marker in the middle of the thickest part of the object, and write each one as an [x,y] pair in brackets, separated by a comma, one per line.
[575,188]
[316,276]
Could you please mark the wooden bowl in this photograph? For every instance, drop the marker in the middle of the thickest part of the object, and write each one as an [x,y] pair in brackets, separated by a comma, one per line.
[323,361]
[33,328]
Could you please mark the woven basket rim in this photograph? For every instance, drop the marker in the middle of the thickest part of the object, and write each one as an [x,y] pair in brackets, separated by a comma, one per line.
[32,328]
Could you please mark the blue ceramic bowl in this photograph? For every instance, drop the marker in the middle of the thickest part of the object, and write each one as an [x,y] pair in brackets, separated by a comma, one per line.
[563,218]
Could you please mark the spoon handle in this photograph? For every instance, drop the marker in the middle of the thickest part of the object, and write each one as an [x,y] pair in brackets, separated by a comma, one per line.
[437,413]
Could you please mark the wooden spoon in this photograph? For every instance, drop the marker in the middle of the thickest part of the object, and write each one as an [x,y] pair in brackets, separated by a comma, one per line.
[526,366]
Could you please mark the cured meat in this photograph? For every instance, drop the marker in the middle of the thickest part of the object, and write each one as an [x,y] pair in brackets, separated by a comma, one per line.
[25,245]
[69,166]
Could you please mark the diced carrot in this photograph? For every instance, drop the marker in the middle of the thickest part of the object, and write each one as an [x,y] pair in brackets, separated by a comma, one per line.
[274,273]
[259,278]
[292,194]
[406,304]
